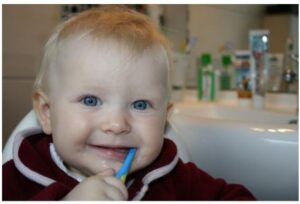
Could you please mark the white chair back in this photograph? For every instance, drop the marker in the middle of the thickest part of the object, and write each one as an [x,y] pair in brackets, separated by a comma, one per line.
[29,121]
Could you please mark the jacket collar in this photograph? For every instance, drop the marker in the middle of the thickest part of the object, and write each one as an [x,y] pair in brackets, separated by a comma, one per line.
[166,161]
[138,182]
[18,161]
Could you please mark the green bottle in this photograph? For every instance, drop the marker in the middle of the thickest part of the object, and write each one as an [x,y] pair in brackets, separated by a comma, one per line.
[206,78]
[225,77]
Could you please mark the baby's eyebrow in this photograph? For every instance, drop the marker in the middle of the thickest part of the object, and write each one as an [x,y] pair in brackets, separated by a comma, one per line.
[93,88]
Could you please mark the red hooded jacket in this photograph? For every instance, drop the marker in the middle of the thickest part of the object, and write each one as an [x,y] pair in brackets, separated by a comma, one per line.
[33,174]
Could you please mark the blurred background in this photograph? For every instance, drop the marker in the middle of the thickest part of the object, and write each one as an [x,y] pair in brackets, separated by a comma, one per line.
[216,30]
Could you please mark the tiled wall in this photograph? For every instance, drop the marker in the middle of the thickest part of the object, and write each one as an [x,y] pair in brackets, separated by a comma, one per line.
[25,31]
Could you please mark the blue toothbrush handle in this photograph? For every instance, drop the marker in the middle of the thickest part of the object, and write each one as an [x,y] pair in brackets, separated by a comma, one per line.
[121,174]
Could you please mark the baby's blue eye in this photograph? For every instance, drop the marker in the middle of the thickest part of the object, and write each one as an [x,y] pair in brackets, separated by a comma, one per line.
[90,101]
[140,105]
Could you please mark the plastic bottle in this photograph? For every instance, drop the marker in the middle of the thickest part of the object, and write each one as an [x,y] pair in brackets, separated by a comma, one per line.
[259,46]
[206,78]
[227,78]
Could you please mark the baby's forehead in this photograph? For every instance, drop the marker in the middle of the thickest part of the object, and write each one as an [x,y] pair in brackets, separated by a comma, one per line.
[78,45]
[90,49]
[111,66]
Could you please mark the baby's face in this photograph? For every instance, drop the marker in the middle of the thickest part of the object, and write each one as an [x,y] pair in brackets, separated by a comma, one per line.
[102,102]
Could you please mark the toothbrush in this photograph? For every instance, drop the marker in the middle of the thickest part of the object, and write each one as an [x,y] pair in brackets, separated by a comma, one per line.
[122,173]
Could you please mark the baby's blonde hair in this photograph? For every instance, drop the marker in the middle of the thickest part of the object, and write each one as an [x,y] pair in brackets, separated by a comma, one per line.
[107,22]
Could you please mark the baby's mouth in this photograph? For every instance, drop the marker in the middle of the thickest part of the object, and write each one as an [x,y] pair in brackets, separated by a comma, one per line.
[112,152]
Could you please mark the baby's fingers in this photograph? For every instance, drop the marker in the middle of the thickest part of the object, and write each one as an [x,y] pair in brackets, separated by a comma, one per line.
[119,191]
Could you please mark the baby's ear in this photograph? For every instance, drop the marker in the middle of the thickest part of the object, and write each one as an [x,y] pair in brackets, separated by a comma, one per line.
[41,107]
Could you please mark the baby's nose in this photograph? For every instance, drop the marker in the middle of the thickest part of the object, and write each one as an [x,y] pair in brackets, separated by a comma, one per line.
[115,123]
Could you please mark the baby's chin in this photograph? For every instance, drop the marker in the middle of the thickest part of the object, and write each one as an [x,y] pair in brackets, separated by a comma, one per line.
[87,171]
[111,167]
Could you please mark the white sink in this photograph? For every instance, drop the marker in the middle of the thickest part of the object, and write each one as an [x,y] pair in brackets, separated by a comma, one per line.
[233,113]
[256,148]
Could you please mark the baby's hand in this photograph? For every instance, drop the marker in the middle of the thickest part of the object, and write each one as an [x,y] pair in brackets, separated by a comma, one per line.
[103,186]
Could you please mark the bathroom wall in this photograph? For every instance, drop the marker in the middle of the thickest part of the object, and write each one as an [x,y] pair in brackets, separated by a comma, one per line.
[215,25]
[281,27]
[25,31]
[175,23]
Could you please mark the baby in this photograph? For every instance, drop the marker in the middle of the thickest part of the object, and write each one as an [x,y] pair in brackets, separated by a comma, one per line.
[104,87]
